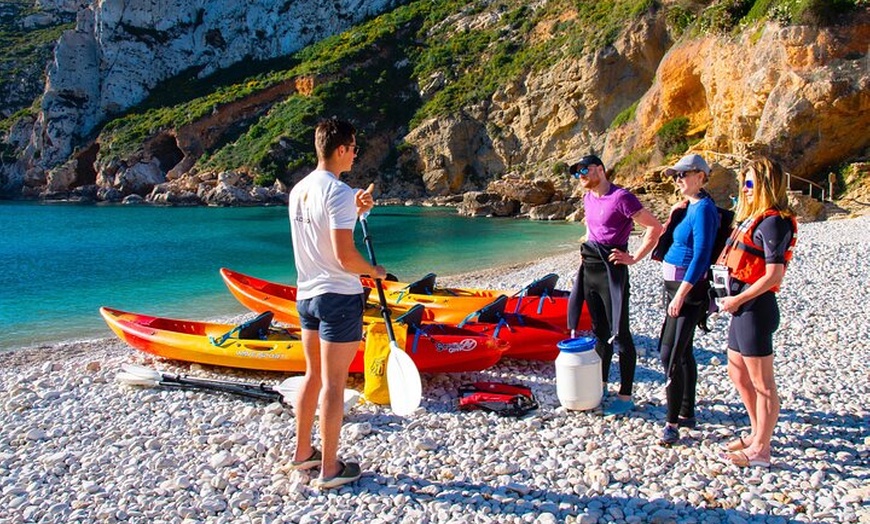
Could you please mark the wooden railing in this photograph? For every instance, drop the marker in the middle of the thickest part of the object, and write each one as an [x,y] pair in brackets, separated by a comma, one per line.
[811,185]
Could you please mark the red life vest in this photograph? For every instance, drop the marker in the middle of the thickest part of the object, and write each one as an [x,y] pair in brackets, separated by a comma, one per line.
[745,258]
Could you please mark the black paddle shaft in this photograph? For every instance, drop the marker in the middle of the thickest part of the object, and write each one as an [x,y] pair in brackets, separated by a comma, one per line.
[385,311]
[257,394]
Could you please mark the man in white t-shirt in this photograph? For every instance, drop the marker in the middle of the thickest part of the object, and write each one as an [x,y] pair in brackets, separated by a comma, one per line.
[323,214]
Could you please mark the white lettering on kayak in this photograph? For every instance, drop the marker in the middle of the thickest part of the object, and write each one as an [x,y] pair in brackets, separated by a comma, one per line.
[257,354]
[467,344]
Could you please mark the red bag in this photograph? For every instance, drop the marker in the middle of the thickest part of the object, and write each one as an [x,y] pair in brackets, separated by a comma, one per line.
[507,400]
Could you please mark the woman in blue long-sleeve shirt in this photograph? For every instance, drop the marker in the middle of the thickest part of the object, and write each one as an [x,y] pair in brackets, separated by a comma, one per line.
[684,265]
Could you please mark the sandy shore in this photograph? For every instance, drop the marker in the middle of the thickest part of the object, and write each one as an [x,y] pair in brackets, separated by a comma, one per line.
[78,447]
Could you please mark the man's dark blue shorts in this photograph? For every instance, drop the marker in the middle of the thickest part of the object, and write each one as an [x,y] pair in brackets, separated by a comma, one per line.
[338,318]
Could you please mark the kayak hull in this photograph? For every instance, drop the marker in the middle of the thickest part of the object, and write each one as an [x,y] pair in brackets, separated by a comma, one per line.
[260,295]
[188,341]
[527,339]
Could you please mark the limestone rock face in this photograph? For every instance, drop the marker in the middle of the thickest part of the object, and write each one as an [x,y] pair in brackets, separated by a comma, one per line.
[453,151]
[562,113]
[552,211]
[227,195]
[808,209]
[552,116]
[799,94]
[121,49]
[532,192]
[482,204]
[139,178]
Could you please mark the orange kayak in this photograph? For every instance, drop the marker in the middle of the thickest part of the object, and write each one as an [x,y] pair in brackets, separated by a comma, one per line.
[538,301]
[264,347]
[260,295]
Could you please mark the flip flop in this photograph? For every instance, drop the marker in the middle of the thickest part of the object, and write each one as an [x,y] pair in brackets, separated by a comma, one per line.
[736,445]
[742,460]
[311,462]
[349,473]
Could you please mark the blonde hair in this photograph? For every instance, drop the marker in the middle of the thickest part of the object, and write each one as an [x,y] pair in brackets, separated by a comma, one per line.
[769,191]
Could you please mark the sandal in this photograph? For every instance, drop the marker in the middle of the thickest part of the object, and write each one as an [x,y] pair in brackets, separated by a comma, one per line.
[736,445]
[349,473]
[742,460]
[311,462]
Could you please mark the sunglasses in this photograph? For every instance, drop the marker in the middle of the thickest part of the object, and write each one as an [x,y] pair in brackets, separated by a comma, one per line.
[583,171]
[681,174]
[748,184]
[352,146]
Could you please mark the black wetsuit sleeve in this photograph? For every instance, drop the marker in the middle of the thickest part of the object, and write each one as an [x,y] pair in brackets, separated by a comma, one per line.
[774,233]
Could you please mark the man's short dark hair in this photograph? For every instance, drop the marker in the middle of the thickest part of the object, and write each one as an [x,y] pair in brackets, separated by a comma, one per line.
[331,133]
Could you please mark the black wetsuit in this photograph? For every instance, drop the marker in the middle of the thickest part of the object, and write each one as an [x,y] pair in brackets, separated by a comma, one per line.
[604,287]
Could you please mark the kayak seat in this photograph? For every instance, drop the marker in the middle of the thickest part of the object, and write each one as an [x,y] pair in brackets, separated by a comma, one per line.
[256,328]
[413,318]
[493,312]
[424,286]
[542,286]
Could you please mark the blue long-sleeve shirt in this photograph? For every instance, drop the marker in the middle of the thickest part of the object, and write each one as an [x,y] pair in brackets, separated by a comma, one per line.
[693,240]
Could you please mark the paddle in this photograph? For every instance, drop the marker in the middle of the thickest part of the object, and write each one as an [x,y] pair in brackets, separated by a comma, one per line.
[403,378]
[138,377]
[285,392]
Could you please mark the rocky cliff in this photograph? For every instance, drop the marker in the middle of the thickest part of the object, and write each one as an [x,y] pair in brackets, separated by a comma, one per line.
[120,50]
[797,92]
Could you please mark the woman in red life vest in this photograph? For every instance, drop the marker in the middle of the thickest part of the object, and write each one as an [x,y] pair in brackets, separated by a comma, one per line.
[757,255]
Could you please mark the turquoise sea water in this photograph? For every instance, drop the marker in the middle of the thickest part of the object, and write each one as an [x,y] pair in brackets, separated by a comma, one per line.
[60,262]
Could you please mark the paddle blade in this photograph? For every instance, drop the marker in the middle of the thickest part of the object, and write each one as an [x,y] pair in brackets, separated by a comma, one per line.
[141,371]
[289,387]
[403,379]
[135,380]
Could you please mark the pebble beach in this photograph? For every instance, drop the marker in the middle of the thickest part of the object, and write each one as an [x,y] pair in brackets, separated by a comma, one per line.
[78,446]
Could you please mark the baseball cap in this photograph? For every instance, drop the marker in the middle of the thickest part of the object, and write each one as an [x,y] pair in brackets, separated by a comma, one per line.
[588,160]
[691,162]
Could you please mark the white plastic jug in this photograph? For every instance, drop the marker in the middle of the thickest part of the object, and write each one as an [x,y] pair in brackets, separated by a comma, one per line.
[578,374]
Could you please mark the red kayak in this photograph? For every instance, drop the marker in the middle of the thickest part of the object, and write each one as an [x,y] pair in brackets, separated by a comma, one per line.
[539,300]
[528,338]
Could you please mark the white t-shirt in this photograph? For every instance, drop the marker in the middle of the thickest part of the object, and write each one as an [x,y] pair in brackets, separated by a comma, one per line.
[319,203]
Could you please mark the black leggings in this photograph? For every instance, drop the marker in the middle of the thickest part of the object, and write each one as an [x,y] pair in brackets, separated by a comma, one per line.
[596,292]
[677,354]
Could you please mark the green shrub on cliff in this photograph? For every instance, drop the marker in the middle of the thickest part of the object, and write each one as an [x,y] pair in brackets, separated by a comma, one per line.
[625,116]
[723,16]
[671,137]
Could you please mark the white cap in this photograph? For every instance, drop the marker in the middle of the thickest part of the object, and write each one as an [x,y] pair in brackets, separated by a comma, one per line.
[691,162]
